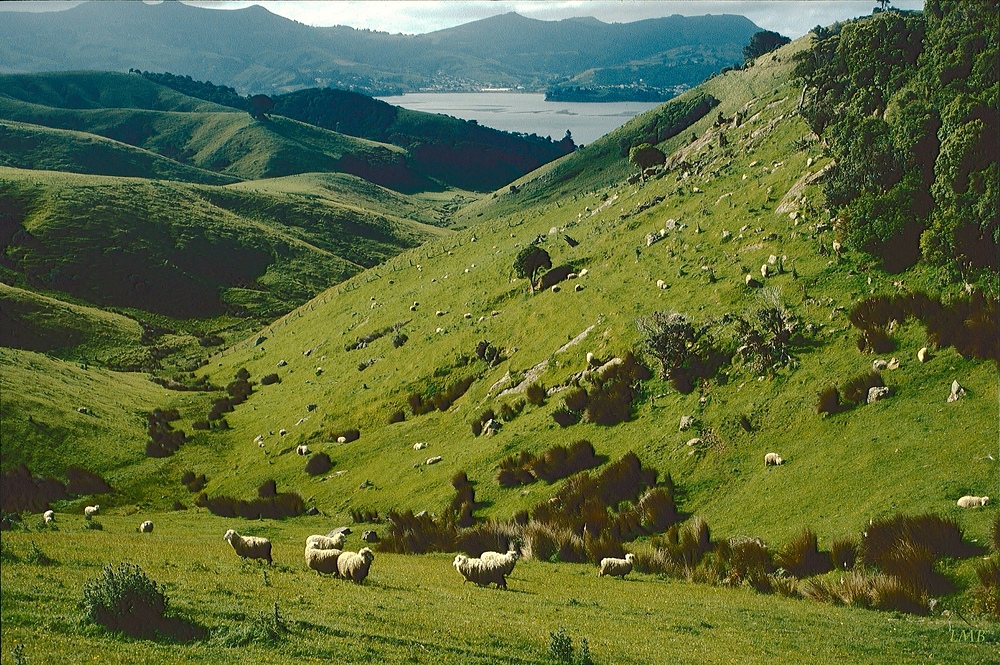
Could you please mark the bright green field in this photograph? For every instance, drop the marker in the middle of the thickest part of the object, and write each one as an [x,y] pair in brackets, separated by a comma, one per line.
[416,609]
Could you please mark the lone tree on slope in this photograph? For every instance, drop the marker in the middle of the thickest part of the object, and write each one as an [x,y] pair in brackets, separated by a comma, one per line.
[260,105]
[763,42]
[529,261]
[645,156]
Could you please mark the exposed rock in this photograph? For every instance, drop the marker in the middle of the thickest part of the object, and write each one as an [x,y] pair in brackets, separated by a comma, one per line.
[878,393]
[923,355]
[687,422]
[957,391]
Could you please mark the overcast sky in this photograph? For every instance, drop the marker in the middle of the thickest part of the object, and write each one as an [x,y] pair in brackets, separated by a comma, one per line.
[792,18]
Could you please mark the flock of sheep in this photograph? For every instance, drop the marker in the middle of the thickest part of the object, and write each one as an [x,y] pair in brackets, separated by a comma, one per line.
[325,555]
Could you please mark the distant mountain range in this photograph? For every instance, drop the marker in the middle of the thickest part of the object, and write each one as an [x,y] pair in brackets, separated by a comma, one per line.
[254,50]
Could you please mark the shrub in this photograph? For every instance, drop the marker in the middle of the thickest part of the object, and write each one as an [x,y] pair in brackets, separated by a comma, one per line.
[486,536]
[280,506]
[268,379]
[546,542]
[399,340]
[855,391]
[828,401]
[81,481]
[535,394]
[36,556]
[124,599]
[565,417]
[750,560]
[397,417]
[509,412]
[94,525]
[576,399]
[801,557]
[318,464]
[200,425]
[843,553]
[263,628]
[364,515]
[267,489]
[20,491]
[657,510]
[179,506]
[418,534]
[890,593]
[988,572]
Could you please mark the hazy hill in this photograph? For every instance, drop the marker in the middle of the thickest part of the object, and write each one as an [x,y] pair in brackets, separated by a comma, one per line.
[256,51]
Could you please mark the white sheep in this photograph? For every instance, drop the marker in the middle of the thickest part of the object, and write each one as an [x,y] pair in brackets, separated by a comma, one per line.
[973,501]
[249,547]
[323,561]
[334,542]
[90,511]
[773,459]
[508,560]
[433,460]
[355,565]
[419,445]
[617,567]
[481,571]
[302,449]
[49,516]
[146,527]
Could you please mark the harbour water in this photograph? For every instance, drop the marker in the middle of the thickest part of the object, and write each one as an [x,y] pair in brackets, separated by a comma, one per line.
[526,112]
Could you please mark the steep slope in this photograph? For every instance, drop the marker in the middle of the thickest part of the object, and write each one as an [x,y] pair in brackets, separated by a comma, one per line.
[743,190]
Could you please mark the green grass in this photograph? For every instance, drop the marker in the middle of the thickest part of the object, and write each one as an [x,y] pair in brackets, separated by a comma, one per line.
[911,453]
[416,609]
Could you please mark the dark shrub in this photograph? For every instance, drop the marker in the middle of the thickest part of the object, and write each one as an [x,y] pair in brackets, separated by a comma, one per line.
[535,394]
[200,425]
[268,379]
[988,572]
[892,594]
[510,411]
[481,420]
[600,547]
[179,506]
[856,390]
[657,510]
[399,340]
[124,599]
[397,417]
[268,489]
[412,534]
[749,560]
[348,435]
[828,401]
[187,477]
[318,464]
[364,515]
[195,484]
[610,400]
[242,374]
[877,340]
[211,340]
[81,481]
[285,504]
[801,557]
[565,418]
[576,400]
[844,552]
[490,536]
[995,535]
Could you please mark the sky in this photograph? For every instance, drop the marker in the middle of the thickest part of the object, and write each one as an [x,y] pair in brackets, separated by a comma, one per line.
[792,18]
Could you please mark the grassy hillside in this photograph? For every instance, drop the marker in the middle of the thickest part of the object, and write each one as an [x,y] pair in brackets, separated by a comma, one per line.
[27,146]
[146,244]
[230,143]
[734,229]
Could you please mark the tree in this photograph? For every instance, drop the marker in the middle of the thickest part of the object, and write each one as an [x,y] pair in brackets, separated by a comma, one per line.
[763,42]
[260,105]
[670,338]
[645,156]
[529,261]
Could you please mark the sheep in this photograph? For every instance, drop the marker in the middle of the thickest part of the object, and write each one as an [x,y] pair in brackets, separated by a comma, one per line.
[49,516]
[249,547]
[146,527]
[433,460]
[302,449]
[323,560]
[773,459]
[508,559]
[617,567]
[354,565]
[419,445]
[480,571]
[90,511]
[334,542]
[923,355]
[973,501]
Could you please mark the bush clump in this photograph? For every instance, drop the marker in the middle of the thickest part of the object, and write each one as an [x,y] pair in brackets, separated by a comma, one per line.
[269,379]
[124,599]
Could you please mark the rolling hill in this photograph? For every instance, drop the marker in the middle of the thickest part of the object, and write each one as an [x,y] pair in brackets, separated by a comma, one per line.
[256,51]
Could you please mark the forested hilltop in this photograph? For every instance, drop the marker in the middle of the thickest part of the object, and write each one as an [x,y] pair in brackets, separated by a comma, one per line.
[907,103]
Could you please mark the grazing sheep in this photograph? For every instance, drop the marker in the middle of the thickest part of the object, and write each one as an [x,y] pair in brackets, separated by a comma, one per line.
[433,460]
[282,432]
[508,560]
[249,547]
[334,542]
[302,450]
[370,537]
[323,560]
[49,517]
[90,511]
[480,571]
[146,527]
[923,355]
[773,459]
[419,446]
[617,567]
[973,501]
[354,565]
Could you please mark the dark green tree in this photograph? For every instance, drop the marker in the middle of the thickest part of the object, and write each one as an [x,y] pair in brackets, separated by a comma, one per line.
[763,42]
[260,106]
[529,261]
[645,156]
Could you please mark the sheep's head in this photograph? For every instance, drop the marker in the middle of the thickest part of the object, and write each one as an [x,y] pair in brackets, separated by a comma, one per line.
[366,554]
[630,557]
[986,500]
[230,536]
[459,560]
